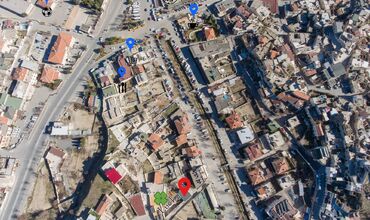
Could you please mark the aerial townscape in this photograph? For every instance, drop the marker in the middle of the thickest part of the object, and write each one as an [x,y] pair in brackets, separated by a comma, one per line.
[183,109]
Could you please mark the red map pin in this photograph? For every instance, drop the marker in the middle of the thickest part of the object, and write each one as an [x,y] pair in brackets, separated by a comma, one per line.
[184,185]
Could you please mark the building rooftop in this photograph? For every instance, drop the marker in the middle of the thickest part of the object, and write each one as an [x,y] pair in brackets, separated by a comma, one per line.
[209,33]
[253,152]
[182,125]
[158,177]
[122,62]
[19,73]
[181,139]
[156,141]
[49,74]
[59,48]
[280,165]
[9,101]
[210,48]
[192,151]
[137,204]
[257,174]
[113,175]
[281,208]
[103,205]
[234,121]
[245,134]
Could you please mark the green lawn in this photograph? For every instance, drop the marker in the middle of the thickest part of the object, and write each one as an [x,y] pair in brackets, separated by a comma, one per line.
[171,109]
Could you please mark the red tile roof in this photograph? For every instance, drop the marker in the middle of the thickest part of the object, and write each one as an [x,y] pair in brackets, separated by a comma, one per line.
[234,121]
[137,204]
[56,152]
[113,175]
[320,131]
[158,177]
[256,175]
[59,49]
[103,205]
[19,73]
[301,95]
[4,120]
[182,139]
[209,33]
[122,62]
[272,5]
[274,54]
[253,152]
[280,165]
[49,75]
[156,141]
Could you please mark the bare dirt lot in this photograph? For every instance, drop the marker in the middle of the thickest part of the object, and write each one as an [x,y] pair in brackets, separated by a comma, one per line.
[75,163]
[42,193]
[187,212]
[77,117]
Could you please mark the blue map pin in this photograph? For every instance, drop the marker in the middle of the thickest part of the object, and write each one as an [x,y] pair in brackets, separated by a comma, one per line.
[121,71]
[193,8]
[46,2]
[130,42]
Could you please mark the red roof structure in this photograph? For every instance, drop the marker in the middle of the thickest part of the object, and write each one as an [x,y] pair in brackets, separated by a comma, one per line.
[181,139]
[301,95]
[158,177]
[49,75]
[272,5]
[113,175]
[19,73]
[209,33]
[156,141]
[253,152]
[103,205]
[122,62]
[60,48]
[280,165]
[137,204]
[234,121]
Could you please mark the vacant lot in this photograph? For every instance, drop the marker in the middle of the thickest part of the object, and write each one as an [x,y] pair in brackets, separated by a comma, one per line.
[98,188]
[42,194]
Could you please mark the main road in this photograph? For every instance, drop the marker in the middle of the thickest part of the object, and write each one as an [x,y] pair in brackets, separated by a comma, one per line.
[30,151]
